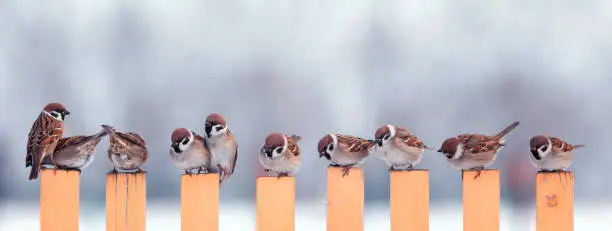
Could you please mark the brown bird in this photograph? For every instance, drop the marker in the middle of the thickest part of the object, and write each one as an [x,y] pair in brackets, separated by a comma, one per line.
[474,151]
[188,151]
[398,147]
[46,131]
[127,151]
[222,145]
[281,154]
[344,150]
[75,152]
[550,153]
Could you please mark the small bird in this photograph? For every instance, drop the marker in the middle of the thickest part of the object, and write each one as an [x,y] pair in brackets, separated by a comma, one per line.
[474,151]
[281,154]
[550,154]
[344,150]
[75,152]
[44,135]
[222,145]
[398,147]
[127,151]
[189,151]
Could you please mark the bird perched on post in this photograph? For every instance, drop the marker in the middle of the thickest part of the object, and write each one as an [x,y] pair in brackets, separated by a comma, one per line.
[550,153]
[44,135]
[75,152]
[188,151]
[126,151]
[222,145]
[474,151]
[344,150]
[398,147]
[281,154]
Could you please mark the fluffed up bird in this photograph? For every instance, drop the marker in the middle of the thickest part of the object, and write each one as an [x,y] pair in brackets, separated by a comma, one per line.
[75,152]
[399,148]
[474,151]
[44,135]
[550,153]
[222,145]
[281,154]
[127,152]
[189,152]
[344,150]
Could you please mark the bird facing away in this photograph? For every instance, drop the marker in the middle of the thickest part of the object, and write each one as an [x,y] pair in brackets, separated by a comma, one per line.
[75,152]
[344,150]
[550,153]
[222,145]
[127,152]
[281,154]
[44,135]
[399,148]
[474,151]
[188,151]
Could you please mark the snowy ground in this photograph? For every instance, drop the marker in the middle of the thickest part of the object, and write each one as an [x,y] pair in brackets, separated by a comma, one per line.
[164,216]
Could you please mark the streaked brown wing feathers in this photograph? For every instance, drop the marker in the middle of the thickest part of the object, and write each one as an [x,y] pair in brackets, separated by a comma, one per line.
[293,147]
[354,144]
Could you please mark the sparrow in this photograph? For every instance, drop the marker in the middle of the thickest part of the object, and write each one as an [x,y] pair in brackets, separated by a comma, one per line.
[398,147]
[44,135]
[188,151]
[222,145]
[474,151]
[281,154]
[127,151]
[344,150]
[551,153]
[75,152]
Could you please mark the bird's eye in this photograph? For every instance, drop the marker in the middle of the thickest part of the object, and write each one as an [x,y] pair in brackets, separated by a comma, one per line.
[218,128]
[55,114]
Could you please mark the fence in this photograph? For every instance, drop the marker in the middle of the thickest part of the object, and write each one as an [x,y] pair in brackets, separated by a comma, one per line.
[409,201]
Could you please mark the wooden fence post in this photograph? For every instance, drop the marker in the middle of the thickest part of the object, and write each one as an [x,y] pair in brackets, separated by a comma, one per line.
[344,200]
[555,201]
[409,200]
[275,204]
[126,201]
[200,202]
[481,200]
[59,200]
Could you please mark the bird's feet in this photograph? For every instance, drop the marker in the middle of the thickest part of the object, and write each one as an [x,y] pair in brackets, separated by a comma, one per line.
[479,169]
[282,174]
[345,170]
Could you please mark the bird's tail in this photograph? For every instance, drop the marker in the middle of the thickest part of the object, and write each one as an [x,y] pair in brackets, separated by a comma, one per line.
[507,130]
[106,130]
[579,146]
[296,138]
[35,170]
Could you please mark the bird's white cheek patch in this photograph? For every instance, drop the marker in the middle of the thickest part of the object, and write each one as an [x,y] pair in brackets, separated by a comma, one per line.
[459,152]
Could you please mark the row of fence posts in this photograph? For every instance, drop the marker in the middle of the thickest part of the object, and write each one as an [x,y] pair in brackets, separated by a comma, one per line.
[409,201]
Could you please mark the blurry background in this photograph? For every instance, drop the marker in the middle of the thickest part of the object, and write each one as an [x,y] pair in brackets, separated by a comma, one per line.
[438,68]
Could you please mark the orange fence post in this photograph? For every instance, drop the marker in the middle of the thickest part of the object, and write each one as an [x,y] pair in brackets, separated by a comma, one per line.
[344,200]
[59,200]
[126,196]
[409,200]
[555,201]
[481,200]
[200,202]
[275,204]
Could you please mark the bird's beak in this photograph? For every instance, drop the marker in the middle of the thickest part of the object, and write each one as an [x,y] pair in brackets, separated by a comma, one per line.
[439,150]
[66,112]
[378,141]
